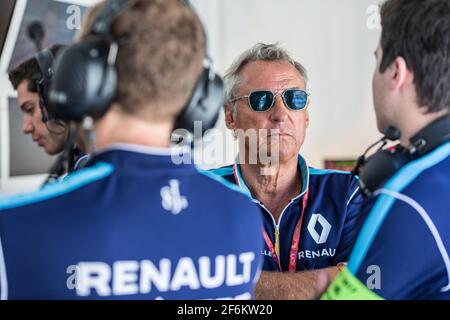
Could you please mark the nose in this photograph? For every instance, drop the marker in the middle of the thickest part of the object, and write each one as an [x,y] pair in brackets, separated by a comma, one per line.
[27,124]
[279,112]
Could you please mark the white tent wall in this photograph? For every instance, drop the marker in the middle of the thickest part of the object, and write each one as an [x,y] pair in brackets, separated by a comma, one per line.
[334,39]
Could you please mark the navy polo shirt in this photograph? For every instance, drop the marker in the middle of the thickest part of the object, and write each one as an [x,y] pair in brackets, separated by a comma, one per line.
[403,249]
[130,225]
[328,225]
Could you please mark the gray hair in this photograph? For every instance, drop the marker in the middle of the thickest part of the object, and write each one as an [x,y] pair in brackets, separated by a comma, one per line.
[259,52]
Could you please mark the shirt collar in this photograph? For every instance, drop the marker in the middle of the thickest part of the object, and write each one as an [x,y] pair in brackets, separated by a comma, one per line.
[129,155]
[154,151]
[302,166]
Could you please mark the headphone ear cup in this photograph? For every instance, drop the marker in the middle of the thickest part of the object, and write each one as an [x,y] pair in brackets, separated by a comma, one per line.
[106,94]
[45,61]
[380,167]
[83,84]
[205,103]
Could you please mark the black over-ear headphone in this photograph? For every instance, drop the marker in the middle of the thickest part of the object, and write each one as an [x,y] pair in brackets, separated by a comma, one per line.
[42,80]
[382,165]
[85,80]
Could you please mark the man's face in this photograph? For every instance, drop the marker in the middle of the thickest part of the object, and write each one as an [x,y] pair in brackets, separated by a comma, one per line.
[380,92]
[274,76]
[32,121]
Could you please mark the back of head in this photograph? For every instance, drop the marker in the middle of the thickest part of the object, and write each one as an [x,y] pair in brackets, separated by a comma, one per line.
[419,31]
[160,57]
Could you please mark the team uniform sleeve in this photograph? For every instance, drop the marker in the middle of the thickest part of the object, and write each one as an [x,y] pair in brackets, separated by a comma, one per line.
[402,262]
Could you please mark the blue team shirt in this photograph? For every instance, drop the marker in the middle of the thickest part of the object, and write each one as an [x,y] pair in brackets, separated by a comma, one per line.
[132,225]
[402,251]
[328,227]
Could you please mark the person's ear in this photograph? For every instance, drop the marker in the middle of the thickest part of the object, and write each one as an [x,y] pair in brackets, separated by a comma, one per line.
[307,118]
[400,75]
[228,109]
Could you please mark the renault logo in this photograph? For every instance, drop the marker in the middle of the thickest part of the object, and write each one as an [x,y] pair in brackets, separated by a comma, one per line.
[326,227]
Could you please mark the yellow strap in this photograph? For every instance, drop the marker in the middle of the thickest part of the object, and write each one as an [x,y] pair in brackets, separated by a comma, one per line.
[277,241]
[347,287]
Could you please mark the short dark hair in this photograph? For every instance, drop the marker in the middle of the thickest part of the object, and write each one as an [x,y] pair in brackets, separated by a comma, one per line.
[28,70]
[160,60]
[419,31]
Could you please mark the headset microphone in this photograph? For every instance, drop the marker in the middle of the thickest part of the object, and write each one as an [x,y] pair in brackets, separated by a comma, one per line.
[391,133]
[385,163]
[36,33]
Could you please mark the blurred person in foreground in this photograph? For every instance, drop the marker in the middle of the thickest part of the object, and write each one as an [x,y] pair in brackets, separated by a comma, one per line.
[132,224]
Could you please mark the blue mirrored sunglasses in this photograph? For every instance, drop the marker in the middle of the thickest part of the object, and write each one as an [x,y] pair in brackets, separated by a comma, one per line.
[263,100]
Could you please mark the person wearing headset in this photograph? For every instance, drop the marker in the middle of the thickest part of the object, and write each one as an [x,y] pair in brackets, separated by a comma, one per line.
[402,251]
[48,133]
[133,224]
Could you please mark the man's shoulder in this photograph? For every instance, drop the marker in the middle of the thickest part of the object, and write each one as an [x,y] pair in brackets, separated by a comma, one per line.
[332,176]
[335,181]
[411,209]
[425,180]
[325,172]
[224,175]
[431,172]
[225,172]
[74,183]
[399,228]
[426,194]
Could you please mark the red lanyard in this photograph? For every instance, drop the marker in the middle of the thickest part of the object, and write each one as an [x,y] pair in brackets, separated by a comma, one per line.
[295,239]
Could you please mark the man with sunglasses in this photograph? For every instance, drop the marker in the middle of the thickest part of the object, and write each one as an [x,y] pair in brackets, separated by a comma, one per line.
[308,213]
[48,133]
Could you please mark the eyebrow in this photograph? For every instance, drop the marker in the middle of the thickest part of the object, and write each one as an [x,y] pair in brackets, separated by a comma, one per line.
[22,106]
[290,88]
